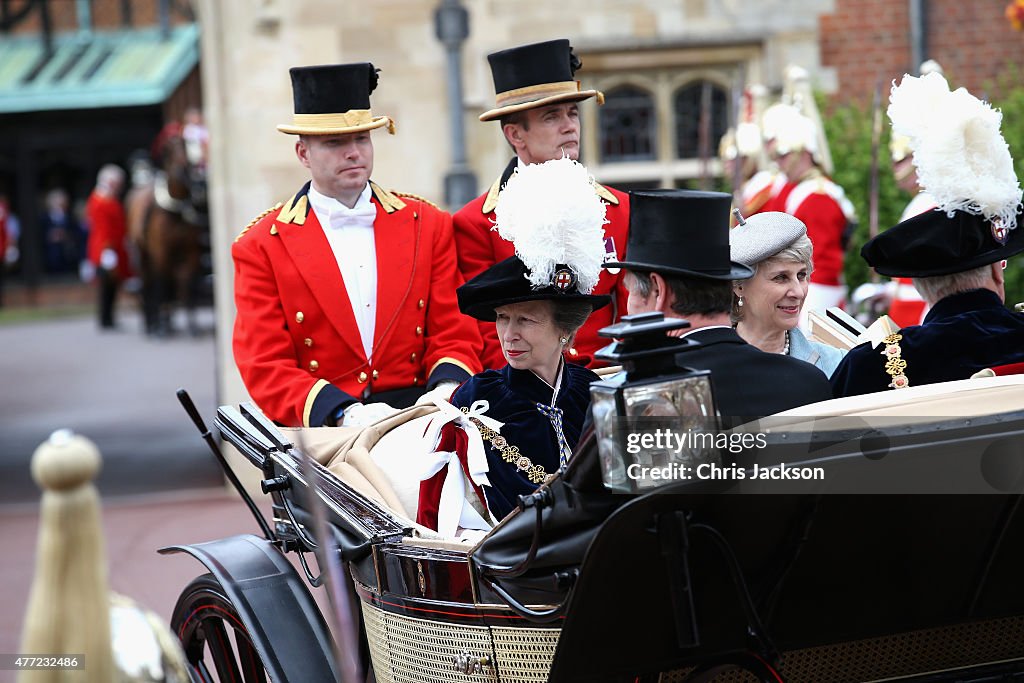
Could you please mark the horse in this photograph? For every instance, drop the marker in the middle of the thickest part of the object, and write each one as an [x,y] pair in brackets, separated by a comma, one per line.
[167,219]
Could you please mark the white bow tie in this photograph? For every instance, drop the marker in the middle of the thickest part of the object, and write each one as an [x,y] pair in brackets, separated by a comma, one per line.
[361,216]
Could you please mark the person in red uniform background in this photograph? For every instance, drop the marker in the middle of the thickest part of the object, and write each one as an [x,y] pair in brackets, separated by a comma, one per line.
[346,293]
[810,195]
[105,248]
[537,106]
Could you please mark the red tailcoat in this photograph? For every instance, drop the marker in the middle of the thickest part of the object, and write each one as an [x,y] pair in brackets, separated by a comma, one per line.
[107,230]
[296,340]
[480,247]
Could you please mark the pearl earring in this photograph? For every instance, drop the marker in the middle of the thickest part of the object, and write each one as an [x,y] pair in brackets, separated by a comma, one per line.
[739,302]
[564,340]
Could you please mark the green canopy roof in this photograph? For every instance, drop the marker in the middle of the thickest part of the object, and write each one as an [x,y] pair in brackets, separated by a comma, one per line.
[126,68]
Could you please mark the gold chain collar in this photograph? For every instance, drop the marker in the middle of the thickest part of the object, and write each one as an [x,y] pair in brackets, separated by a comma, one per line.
[510,453]
[895,366]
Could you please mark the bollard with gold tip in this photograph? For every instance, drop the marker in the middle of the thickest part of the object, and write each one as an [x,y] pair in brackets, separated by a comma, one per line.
[70,599]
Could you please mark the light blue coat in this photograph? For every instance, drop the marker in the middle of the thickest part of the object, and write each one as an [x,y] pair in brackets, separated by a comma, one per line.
[824,357]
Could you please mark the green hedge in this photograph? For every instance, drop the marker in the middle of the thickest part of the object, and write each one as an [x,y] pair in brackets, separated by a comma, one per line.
[848,127]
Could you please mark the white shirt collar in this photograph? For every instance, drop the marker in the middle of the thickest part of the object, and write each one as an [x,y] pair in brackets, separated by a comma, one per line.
[325,206]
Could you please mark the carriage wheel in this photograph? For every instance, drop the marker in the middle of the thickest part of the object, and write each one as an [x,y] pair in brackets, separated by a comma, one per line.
[216,642]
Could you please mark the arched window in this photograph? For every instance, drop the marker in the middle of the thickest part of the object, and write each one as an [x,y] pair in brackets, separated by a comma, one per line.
[689,104]
[627,124]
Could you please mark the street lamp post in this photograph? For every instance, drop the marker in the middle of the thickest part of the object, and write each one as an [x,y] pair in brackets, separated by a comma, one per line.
[451,22]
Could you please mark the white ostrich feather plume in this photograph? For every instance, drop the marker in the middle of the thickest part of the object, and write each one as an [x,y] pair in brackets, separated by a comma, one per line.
[962,160]
[553,215]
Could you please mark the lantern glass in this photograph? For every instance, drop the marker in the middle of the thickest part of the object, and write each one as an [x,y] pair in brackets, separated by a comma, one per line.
[646,430]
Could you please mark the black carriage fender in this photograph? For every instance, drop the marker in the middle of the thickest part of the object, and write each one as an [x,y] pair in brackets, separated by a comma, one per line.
[285,624]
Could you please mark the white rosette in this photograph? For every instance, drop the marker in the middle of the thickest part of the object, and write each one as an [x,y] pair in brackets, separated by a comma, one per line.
[454,510]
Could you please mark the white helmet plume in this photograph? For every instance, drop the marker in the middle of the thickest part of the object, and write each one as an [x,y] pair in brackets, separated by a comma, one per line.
[553,215]
[962,160]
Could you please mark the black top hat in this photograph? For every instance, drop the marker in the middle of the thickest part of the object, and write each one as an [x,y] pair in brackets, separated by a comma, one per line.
[681,232]
[535,75]
[506,283]
[932,243]
[333,99]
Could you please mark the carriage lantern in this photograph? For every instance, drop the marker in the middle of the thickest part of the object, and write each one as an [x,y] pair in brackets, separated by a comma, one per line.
[652,420]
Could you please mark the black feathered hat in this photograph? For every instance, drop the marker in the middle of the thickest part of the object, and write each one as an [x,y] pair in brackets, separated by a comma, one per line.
[555,221]
[680,232]
[507,282]
[334,99]
[535,75]
[964,165]
[933,243]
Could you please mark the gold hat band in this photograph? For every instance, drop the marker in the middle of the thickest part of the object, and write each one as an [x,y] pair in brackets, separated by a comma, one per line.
[535,92]
[346,119]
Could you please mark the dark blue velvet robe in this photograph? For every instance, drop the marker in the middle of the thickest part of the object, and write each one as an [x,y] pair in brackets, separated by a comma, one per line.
[512,396]
[961,334]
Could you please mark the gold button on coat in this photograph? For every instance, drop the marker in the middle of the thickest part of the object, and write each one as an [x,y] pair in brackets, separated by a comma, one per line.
[421,303]
[419,331]
[376,374]
[415,381]
[307,341]
[572,352]
[299,317]
[313,365]
[362,377]
[412,358]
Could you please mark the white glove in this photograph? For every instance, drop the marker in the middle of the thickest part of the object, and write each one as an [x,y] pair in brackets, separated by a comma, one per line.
[108,259]
[363,414]
[442,391]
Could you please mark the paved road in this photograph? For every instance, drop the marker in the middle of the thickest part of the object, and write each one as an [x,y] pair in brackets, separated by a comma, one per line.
[117,388]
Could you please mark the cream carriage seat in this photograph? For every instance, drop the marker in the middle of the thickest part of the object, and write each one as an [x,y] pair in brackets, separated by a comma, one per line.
[382,461]
[964,398]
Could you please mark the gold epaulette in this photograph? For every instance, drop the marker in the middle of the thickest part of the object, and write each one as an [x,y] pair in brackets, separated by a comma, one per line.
[491,200]
[388,200]
[258,218]
[418,198]
[606,194]
[295,211]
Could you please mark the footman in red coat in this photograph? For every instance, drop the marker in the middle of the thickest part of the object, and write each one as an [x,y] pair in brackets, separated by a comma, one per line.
[346,291]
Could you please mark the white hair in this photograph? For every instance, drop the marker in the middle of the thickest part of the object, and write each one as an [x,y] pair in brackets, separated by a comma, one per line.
[938,287]
[109,176]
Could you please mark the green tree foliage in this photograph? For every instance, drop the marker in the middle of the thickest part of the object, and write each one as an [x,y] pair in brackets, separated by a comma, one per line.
[1007,95]
[849,129]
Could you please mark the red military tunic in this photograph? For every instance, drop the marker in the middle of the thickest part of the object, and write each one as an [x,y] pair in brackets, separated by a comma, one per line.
[760,189]
[296,340]
[107,230]
[824,209]
[480,247]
